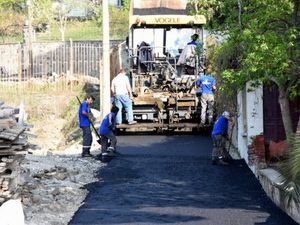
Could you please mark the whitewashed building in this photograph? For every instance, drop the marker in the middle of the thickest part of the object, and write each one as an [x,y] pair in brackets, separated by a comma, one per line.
[117,3]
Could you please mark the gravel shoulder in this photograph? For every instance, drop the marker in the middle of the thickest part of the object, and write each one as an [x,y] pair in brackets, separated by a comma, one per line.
[53,184]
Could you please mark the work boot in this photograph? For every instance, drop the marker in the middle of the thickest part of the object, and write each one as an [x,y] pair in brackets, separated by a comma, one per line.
[84,155]
[105,157]
[222,162]
[111,152]
[132,122]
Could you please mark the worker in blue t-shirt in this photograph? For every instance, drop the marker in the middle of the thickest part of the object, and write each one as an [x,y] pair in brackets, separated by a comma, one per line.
[85,117]
[106,129]
[206,85]
[219,136]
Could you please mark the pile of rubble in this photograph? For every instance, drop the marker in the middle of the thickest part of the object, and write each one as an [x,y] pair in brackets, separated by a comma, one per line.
[53,186]
[13,144]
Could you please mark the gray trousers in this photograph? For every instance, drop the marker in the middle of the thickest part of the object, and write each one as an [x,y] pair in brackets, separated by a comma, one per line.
[218,147]
[207,103]
[87,140]
[104,141]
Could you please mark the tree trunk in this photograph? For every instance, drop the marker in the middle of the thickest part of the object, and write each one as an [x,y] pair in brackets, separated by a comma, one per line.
[196,7]
[62,27]
[240,13]
[62,33]
[285,112]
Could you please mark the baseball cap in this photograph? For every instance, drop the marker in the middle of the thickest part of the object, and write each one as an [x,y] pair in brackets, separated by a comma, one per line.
[226,114]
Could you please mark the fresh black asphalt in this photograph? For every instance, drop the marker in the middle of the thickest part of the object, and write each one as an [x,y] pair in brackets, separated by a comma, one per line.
[170,180]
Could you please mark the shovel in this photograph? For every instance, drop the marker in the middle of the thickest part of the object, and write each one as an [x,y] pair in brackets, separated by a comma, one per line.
[99,137]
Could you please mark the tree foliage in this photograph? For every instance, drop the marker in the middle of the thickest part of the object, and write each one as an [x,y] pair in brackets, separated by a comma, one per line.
[13,5]
[289,168]
[11,18]
[42,12]
[261,44]
[126,5]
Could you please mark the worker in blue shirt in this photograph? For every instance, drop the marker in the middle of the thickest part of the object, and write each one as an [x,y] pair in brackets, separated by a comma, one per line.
[206,85]
[219,136]
[85,117]
[194,38]
[106,130]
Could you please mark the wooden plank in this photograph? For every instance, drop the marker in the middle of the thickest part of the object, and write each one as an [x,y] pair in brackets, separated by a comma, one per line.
[8,136]
[17,147]
[7,123]
[16,130]
[6,153]
[20,142]
[12,134]
[4,146]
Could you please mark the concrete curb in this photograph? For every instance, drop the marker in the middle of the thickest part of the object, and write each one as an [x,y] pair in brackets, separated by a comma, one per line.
[271,181]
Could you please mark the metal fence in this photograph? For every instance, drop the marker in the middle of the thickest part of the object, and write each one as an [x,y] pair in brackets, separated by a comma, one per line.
[49,61]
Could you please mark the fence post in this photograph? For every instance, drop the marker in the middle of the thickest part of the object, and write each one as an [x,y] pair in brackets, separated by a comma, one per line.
[71,57]
[19,53]
[71,64]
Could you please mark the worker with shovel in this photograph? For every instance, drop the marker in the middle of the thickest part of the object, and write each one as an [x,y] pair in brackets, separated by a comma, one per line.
[106,130]
[85,117]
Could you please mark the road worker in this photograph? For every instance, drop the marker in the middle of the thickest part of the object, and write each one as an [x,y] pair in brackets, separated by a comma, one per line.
[219,137]
[85,117]
[106,130]
[122,92]
[207,85]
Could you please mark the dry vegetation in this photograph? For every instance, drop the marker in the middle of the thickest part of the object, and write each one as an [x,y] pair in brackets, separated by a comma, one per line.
[49,109]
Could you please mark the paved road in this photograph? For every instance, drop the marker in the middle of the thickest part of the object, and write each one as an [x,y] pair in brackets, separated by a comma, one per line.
[169,180]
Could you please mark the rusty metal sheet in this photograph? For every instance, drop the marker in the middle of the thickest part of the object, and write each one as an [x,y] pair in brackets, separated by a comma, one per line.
[186,103]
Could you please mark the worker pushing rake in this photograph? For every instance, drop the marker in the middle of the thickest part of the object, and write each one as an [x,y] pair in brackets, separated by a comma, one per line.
[220,155]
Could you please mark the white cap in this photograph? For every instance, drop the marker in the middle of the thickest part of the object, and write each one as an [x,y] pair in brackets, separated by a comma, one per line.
[226,114]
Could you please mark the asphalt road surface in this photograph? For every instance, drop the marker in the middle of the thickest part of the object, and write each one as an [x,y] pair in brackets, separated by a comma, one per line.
[170,180]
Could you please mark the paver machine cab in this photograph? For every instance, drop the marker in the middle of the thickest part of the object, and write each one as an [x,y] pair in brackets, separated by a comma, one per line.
[165,91]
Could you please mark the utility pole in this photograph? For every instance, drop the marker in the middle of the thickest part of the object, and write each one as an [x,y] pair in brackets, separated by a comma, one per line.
[30,54]
[105,78]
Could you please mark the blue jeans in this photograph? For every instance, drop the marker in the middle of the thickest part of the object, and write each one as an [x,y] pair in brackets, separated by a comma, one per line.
[123,101]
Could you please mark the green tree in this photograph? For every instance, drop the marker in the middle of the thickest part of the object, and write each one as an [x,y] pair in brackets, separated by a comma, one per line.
[126,5]
[14,5]
[261,45]
[42,12]
[11,18]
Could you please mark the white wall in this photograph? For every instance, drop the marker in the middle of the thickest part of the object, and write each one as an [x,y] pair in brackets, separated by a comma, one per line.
[115,2]
[250,118]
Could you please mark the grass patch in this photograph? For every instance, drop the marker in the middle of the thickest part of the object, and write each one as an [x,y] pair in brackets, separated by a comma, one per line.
[83,30]
[75,30]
